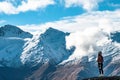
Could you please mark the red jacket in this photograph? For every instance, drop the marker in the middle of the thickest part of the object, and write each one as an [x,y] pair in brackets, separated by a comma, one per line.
[100,59]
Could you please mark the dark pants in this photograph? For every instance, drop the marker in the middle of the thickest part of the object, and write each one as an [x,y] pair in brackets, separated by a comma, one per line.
[100,66]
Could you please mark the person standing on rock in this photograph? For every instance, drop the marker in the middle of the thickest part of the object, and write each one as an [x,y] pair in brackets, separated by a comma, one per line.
[100,63]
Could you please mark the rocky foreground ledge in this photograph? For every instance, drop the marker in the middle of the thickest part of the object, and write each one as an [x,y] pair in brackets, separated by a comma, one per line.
[104,78]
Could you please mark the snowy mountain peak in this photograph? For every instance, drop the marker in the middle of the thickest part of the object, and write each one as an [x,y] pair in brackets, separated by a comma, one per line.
[51,31]
[13,31]
[52,35]
[50,47]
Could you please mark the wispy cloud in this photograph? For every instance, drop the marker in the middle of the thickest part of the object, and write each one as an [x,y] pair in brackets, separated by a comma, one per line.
[88,5]
[97,26]
[103,20]
[2,21]
[12,6]
[7,7]
[114,5]
[34,5]
[86,30]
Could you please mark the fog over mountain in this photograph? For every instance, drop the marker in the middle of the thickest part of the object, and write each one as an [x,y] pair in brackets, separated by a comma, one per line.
[56,55]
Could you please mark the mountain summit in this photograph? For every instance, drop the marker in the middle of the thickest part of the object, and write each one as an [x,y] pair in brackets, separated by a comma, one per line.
[13,31]
[48,47]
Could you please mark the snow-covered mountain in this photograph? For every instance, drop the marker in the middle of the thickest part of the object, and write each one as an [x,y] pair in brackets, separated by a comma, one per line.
[13,31]
[49,46]
[20,48]
[56,55]
[12,40]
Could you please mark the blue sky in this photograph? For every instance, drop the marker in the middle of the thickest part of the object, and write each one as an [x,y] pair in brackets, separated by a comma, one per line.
[23,12]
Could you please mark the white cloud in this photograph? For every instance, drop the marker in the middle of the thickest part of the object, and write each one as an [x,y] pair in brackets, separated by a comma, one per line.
[34,5]
[106,20]
[30,5]
[114,5]
[84,41]
[2,21]
[88,5]
[7,8]
[86,30]
[34,29]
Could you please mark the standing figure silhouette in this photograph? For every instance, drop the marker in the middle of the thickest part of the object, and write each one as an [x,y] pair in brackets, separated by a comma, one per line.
[100,63]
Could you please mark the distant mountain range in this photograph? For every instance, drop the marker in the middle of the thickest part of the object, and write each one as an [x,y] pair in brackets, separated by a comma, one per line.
[24,56]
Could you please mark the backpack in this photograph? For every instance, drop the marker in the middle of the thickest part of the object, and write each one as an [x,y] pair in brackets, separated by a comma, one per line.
[100,59]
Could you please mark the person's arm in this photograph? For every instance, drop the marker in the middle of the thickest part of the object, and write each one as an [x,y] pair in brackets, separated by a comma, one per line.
[102,59]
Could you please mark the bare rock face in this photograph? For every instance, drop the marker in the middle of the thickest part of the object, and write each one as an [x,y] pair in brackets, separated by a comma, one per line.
[60,72]
[50,72]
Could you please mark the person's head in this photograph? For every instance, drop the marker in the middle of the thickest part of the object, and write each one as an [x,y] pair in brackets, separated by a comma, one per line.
[99,53]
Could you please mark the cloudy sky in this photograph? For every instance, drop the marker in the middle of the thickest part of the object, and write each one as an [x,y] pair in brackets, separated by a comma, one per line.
[88,20]
[32,14]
